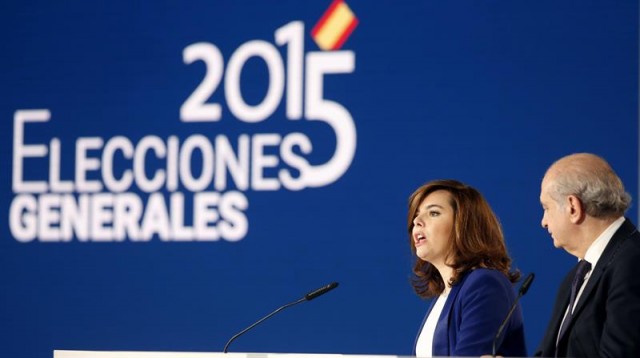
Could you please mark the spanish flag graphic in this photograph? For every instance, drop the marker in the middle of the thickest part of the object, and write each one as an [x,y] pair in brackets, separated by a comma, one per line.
[335,26]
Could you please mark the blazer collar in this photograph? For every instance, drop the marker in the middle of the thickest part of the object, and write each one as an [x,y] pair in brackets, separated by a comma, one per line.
[441,334]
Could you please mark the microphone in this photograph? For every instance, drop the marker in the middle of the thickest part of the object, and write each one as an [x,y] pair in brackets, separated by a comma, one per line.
[523,290]
[321,291]
[308,297]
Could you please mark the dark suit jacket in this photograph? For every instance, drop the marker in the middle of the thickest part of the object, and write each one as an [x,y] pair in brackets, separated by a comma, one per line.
[606,321]
[472,314]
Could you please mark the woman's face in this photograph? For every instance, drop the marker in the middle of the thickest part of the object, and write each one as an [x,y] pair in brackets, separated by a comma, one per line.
[433,226]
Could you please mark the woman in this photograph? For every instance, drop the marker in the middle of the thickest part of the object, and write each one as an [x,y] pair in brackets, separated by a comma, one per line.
[462,261]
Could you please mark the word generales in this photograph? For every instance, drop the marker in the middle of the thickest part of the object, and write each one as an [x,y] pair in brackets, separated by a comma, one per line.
[56,210]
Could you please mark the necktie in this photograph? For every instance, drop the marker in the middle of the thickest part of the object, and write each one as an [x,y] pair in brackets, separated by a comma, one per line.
[578,280]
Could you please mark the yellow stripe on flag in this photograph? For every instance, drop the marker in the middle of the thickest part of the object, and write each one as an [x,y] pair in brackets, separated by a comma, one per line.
[335,26]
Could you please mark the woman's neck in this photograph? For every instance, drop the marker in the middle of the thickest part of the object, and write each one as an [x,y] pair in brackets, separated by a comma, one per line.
[446,272]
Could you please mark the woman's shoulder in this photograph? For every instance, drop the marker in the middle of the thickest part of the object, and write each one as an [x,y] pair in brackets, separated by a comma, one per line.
[482,282]
[481,271]
[487,276]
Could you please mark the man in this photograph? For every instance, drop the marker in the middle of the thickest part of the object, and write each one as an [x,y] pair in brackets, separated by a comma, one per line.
[584,203]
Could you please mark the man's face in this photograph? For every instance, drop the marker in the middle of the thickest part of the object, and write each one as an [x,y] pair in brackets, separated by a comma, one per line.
[555,217]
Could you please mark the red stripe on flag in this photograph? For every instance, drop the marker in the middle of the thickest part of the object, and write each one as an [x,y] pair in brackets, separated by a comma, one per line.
[325,17]
[346,34]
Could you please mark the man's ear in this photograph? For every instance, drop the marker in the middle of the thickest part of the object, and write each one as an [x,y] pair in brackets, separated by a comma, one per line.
[575,209]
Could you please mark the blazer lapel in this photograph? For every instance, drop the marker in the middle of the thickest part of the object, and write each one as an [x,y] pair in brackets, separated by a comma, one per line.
[607,257]
[441,335]
[561,307]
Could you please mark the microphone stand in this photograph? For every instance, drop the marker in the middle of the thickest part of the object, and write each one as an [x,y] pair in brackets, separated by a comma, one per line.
[523,289]
[308,297]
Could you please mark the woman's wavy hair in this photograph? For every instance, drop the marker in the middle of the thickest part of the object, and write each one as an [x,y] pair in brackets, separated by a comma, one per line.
[477,239]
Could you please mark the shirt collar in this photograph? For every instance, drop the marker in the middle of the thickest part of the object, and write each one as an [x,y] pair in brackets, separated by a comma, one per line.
[597,247]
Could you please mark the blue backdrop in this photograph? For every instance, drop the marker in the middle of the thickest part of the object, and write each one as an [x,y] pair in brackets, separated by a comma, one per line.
[172,171]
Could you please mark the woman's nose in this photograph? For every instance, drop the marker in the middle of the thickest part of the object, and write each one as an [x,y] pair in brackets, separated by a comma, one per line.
[417,221]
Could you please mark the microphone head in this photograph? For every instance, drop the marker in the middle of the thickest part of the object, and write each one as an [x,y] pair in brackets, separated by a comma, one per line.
[526,284]
[321,291]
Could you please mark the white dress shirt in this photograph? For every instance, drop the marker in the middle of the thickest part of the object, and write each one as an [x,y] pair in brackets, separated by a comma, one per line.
[424,345]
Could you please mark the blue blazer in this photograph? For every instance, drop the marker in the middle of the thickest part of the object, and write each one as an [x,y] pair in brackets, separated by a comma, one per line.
[472,314]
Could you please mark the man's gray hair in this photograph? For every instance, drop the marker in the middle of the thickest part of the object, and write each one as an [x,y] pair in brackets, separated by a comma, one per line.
[593,181]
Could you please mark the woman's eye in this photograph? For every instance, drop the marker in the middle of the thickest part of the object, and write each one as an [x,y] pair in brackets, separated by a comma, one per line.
[434,213]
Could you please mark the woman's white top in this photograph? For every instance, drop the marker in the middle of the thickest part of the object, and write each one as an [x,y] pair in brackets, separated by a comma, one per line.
[424,344]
